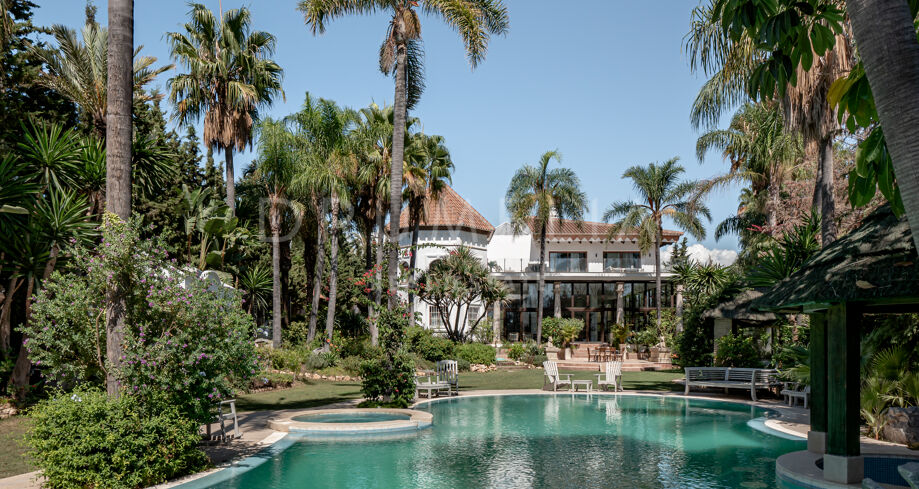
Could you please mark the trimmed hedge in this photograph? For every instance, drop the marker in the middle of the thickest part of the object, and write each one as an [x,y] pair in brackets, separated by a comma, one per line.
[476,353]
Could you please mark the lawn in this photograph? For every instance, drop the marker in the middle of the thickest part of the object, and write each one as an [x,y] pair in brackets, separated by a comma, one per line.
[12,458]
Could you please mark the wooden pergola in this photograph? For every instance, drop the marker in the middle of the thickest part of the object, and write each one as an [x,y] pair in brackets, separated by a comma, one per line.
[872,270]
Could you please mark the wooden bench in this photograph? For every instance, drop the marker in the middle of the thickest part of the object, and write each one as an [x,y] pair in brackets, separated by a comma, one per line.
[731,378]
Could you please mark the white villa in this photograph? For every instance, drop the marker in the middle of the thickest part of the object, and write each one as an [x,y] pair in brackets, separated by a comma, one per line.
[588,276]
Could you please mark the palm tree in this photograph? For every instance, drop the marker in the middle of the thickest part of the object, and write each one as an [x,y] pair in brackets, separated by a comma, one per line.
[230,78]
[730,63]
[886,38]
[534,195]
[660,194]
[118,130]
[330,162]
[78,71]
[402,56]
[428,168]
[278,164]
[761,154]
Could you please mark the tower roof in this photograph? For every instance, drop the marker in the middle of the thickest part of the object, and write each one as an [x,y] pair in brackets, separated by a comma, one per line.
[449,211]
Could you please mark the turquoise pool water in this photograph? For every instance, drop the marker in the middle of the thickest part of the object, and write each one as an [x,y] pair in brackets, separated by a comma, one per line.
[536,441]
[360,417]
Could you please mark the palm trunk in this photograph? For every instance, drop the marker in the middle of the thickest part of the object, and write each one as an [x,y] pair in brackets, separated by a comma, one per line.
[398,155]
[771,219]
[6,312]
[118,163]
[657,273]
[333,273]
[825,186]
[52,260]
[541,282]
[20,376]
[886,39]
[378,263]
[231,180]
[411,268]
[274,219]
[317,274]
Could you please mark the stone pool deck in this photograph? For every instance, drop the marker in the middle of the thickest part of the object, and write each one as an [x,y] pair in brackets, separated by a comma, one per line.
[257,434]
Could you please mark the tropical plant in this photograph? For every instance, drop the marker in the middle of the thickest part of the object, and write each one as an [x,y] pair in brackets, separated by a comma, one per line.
[257,286]
[52,152]
[15,185]
[79,70]
[402,56]
[787,255]
[534,195]
[660,194]
[230,78]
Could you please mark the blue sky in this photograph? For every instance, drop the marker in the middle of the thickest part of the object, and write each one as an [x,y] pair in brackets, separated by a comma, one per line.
[605,83]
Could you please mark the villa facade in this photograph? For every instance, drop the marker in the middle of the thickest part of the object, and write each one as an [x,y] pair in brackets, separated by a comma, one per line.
[587,275]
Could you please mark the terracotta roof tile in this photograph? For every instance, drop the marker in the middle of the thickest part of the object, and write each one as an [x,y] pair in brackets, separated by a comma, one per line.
[449,211]
[566,228]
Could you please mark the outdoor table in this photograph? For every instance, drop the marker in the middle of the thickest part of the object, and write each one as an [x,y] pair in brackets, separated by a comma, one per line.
[588,384]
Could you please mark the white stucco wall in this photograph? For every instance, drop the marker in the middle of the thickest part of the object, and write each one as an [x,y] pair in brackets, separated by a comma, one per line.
[509,252]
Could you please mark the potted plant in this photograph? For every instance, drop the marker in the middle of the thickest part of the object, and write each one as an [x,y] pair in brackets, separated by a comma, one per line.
[569,330]
[551,328]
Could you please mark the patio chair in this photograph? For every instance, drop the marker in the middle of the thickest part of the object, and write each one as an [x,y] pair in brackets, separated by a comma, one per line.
[612,376]
[448,373]
[431,385]
[553,377]
[797,391]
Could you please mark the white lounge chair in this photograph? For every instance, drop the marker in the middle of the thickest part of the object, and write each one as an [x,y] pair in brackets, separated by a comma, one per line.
[612,376]
[796,392]
[448,372]
[553,376]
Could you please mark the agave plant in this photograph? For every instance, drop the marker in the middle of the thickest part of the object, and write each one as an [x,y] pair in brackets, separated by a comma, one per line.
[256,285]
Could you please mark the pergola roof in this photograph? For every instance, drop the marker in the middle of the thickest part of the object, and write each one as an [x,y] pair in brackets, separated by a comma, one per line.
[739,309]
[876,264]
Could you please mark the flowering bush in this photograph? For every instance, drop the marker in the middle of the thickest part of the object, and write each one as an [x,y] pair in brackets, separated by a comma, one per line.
[188,339]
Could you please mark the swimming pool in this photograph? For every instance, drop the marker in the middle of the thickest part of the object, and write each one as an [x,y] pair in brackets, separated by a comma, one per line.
[536,441]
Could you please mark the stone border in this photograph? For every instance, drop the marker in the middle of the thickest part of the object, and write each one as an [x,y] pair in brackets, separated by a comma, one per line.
[417,420]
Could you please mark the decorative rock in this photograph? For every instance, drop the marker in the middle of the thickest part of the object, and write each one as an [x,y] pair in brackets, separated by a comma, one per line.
[902,425]
[7,410]
[477,367]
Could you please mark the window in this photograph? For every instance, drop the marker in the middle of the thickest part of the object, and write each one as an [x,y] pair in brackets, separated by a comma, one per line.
[434,319]
[472,313]
[567,262]
[618,259]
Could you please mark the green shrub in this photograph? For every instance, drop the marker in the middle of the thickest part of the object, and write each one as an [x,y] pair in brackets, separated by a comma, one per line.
[647,337]
[351,365]
[295,334]
[421,363]
[694,346]
[476,353]
[463,365]
[484,332]
[286,358]
[524,352]
[315,361]
[271,380]
[389,379]
[427,345]
[570,329]
[551,328]
[516,351]
[737,351]
[86,439]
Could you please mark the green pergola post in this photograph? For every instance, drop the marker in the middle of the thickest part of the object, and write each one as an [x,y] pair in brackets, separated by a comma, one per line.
[816,437]
[842,462]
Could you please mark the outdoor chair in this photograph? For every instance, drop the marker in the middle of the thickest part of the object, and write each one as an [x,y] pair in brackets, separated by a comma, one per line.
[792,393]
[448,373]
[612,376]
[553,377]
[431,385]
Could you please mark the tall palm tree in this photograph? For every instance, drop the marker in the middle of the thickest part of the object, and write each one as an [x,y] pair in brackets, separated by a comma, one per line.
[761,154]
[278,164]
[230,78]
[428,168]
[118,129]
[330,162]
[78,71]
[730,63]
[886,38]
[402,56]
[660,194]
[534,195]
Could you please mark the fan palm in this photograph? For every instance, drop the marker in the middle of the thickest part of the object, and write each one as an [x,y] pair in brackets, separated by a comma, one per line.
[533,196]
[428,167]
[277,165]
[79,69]
[401,55]
[661,194]
[230,78]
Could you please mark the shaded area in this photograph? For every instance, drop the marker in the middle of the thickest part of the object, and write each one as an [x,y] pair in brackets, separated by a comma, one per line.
[13,460]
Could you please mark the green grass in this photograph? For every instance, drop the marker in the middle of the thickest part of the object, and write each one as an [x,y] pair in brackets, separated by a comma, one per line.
[300,396]
[13,460]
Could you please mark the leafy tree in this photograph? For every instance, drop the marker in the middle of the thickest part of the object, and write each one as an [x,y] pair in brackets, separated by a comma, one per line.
[660,194]
[679,257]
[533,196]
[230,78]
[402,56]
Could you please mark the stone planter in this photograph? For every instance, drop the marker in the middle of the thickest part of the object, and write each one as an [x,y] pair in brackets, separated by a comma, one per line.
[552,353]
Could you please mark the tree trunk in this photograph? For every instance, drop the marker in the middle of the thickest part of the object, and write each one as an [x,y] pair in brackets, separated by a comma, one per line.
[827,202]
[320,267]
[52,260]
[541,283]
[6,313]
[398,156]
[231,180]
[413,251]
[772,211]
[886,40]
[378,274]
[657,273]
[333,273]
[274,222]
[118,163]
[20,376]
[285,265]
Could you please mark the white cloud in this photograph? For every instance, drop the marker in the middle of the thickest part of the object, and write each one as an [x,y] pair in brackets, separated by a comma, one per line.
[700,254]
